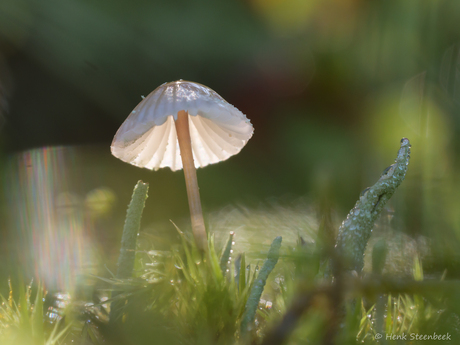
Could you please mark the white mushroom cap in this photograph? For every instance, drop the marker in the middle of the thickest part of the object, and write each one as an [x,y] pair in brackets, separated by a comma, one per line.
[148,137]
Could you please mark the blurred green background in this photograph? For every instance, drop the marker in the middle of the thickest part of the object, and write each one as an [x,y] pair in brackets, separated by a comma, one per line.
[331,86]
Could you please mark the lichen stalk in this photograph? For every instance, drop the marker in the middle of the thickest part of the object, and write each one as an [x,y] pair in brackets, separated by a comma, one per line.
[256,291]
[130,230]
[356,229]
[129,242]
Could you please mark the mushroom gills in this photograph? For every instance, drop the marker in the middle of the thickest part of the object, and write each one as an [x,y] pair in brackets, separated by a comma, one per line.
[158,147]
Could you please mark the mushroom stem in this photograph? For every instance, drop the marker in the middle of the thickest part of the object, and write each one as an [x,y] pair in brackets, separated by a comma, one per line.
[191,182]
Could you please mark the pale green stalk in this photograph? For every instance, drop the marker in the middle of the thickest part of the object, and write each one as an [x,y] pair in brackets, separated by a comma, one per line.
[355,231]
[130,231]
[129,241]
[258,287]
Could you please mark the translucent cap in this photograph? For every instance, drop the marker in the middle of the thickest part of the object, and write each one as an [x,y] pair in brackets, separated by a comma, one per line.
[148,136]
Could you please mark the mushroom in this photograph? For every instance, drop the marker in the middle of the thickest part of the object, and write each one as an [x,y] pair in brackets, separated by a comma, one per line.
[186,125]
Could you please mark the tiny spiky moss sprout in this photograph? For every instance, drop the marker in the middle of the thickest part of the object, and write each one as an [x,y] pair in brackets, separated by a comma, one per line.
[23,322]
[186,125]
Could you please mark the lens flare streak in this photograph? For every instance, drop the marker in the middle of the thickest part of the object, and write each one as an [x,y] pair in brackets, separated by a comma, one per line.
[45,219]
